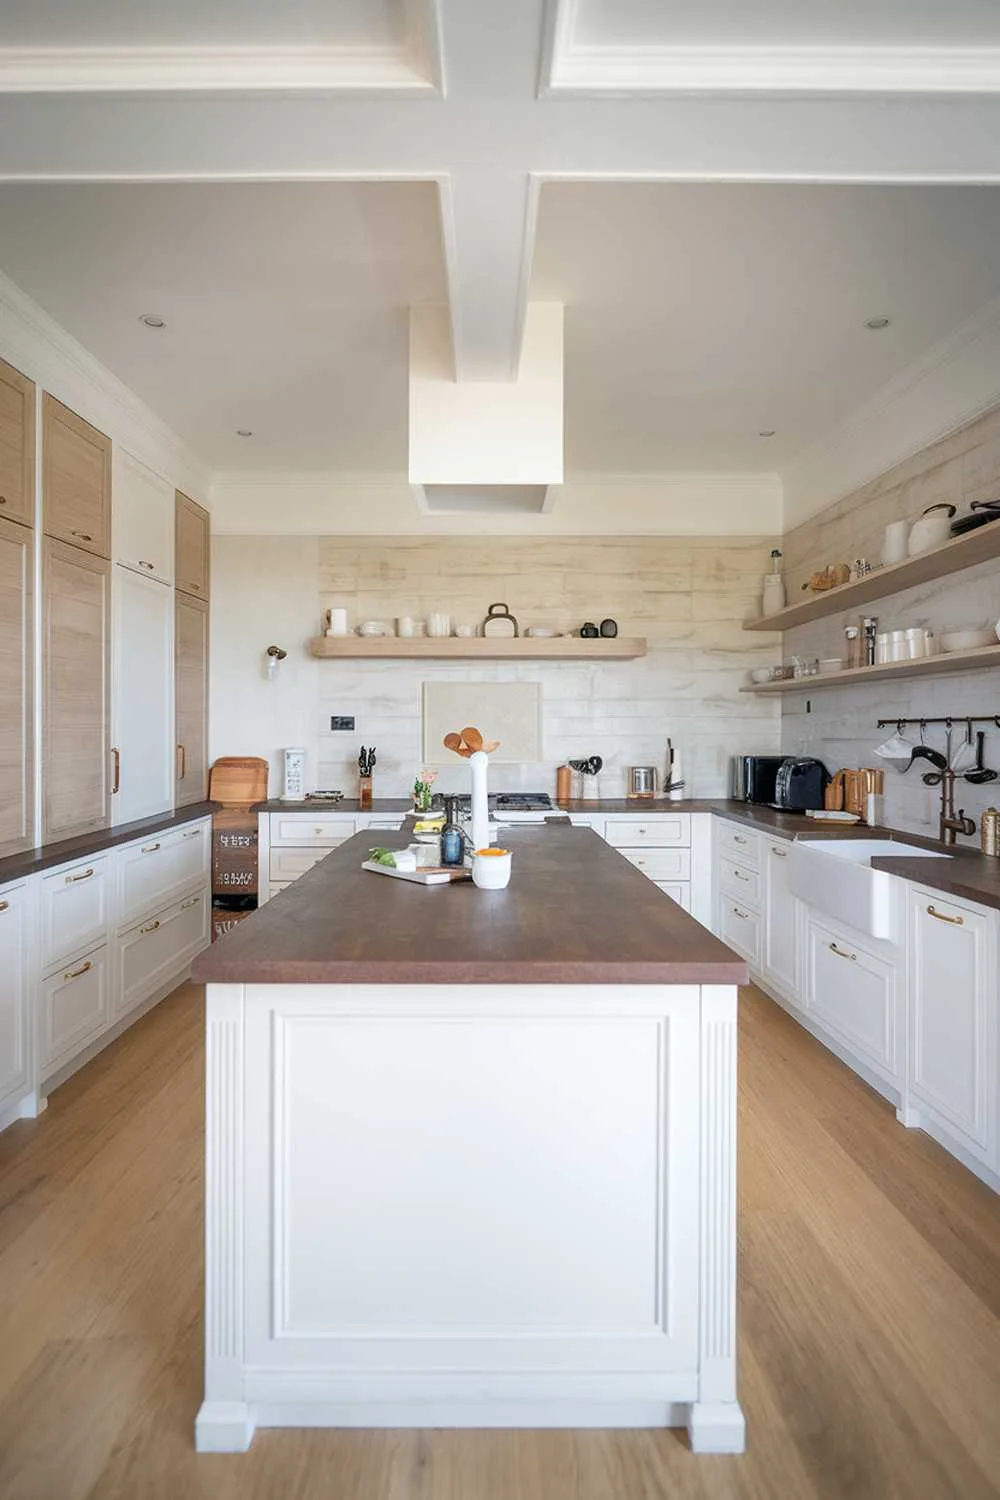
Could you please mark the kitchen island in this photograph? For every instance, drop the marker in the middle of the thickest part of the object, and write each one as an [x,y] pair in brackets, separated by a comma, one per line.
[471,1155]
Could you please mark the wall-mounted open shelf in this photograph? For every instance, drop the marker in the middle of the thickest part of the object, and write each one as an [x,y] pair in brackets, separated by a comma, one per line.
[922,666]
[477,648]
[965,551]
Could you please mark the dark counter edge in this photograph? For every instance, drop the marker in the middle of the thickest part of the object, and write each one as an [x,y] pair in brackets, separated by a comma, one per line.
[329,971]
[64,851]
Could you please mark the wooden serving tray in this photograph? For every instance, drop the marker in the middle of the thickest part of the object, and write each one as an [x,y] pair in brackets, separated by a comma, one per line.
[425,875]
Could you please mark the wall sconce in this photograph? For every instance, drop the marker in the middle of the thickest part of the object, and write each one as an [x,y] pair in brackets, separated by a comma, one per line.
[272,657]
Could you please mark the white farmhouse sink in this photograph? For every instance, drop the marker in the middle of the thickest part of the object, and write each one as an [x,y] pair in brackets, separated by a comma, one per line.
[835,876]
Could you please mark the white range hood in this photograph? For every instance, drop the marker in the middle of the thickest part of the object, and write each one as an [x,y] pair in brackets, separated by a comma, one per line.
[483,447]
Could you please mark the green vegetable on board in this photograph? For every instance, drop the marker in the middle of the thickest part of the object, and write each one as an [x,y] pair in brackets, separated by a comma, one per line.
[382,857]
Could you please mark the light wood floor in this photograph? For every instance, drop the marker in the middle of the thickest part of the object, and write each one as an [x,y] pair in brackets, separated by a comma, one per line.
[870,1310]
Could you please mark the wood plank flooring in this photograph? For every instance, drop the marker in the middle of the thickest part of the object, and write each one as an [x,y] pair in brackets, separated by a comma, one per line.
[870,1310]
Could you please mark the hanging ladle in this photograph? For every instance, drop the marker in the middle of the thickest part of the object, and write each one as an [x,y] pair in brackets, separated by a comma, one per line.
[980,774]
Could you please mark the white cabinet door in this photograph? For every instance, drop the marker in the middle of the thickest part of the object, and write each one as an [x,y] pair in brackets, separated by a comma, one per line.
[75,1008]
[160,949]
[76,905]
[142,519]
[739,928]
[952,1065]
[142,696]
[14,1015]
[157,870]
[852,994]
[779,952]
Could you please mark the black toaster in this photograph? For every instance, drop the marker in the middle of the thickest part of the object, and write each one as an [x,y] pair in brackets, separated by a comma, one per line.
[800,784]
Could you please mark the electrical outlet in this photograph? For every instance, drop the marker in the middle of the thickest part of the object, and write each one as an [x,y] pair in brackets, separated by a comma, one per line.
[341,721]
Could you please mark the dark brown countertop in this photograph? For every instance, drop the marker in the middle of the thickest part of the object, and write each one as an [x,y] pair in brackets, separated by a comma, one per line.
[969,875]
[575,912]
[380,805]
[44,856]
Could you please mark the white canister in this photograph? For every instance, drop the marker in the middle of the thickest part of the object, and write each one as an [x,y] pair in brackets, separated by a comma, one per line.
[405,627]
[438,625]
[338,622]
[773,598]
[932,530]
[916,641]
[897,534]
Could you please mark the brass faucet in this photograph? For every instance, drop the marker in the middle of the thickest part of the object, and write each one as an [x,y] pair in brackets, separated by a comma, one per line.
[950,824]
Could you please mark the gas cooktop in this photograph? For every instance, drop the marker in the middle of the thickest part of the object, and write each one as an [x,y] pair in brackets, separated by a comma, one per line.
[507,804]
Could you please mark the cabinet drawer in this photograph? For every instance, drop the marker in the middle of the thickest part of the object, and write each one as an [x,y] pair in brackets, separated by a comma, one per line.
[76,908]
[660,864]
[164,945]
[741,843]
[660,830]
[159,868]
[679,892]
[303,828]
[392,825]
[852,993]
[739,881]
[288,864]
[740,928]
[75,1008]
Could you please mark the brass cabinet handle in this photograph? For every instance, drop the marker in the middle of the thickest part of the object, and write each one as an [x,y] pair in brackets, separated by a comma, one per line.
[75,973]
[116,785]
[740,876]
[196,587]
[149,565]
[183,763]
[955,921]
[192,833]
[191,901]
[741,914]
[149,848]
[738,838]
[779,853]
[72,879]
[150,926]
[84,537]
[841,953]
[4,905]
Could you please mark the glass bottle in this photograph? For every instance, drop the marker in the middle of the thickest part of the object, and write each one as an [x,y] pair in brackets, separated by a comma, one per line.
[452,837]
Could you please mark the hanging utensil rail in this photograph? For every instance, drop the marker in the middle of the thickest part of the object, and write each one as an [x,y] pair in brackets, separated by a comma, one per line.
[948,720]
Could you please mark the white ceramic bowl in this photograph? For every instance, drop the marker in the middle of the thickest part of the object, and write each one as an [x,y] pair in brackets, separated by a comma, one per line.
[967,640]
[541,632]
[761,674]
[374,627]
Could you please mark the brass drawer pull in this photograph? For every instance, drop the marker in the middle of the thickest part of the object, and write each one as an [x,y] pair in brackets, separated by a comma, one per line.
[741,914]
[840,952]
[192,833]
[191,901]
[149,848]
[738,838]
[779,853]
[83,535]
[75,973]
[4,905]
[150,926]
[72,879]
[955,921]
[150,566]
[740,876]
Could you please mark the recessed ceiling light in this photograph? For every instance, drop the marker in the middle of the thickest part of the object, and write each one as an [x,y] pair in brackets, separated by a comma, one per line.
[876,323]
[243,432]
[152,320]
[767,432]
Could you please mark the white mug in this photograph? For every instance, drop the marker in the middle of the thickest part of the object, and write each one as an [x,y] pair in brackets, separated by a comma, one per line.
[491,869]
[897,534]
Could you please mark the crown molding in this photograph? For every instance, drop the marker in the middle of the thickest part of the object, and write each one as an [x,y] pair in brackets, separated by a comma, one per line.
[34,342]
[949,386]
[414,69]
[573,69]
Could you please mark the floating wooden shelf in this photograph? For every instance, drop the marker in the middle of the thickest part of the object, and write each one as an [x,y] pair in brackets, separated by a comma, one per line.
[961,552]
[478,648]
[922,666]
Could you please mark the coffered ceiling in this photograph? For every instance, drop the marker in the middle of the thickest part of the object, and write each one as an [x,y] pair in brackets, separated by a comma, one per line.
[720,206]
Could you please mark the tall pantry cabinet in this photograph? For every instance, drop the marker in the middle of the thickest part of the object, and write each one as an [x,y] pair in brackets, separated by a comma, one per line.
[17,542]
[191,649]
[76,623]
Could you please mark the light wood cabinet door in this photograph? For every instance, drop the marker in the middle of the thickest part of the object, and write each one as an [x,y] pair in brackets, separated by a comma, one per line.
[76,479]
[16,741]
[142,717]
[76,608]
[17,446]
[191,544]
[191,698]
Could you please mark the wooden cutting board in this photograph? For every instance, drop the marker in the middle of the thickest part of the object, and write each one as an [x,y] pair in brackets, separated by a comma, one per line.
[425,875]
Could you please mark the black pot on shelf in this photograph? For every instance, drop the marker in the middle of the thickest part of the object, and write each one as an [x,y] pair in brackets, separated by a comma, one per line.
[589,631]
[609,628]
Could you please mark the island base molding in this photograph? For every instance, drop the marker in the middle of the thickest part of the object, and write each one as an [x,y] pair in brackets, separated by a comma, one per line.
[485,1206]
